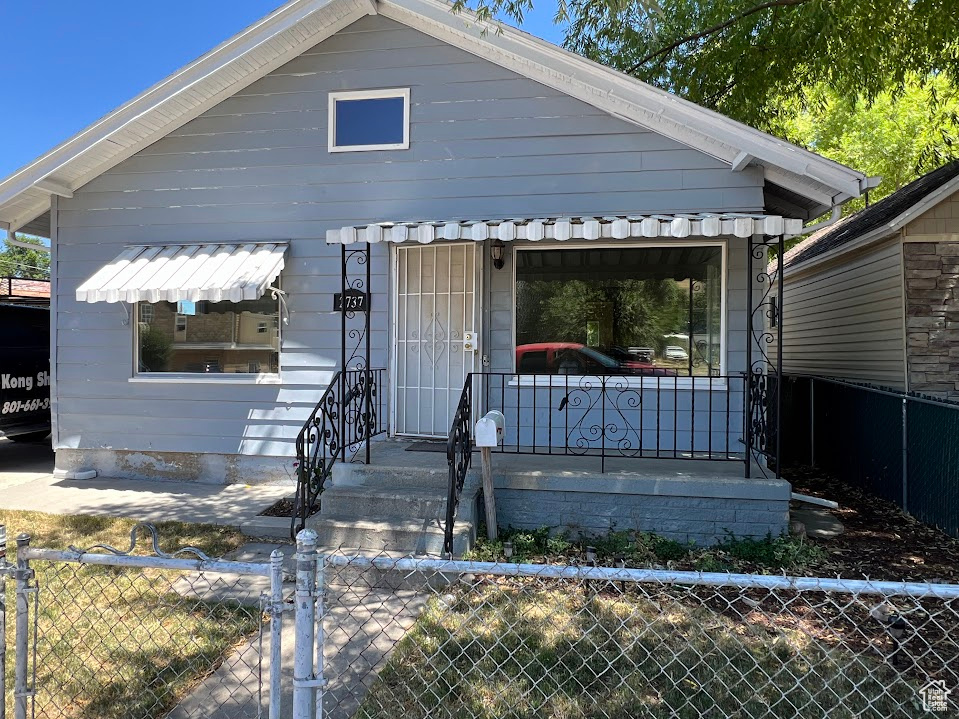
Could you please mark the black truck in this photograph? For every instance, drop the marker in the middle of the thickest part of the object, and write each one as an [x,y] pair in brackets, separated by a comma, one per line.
[24,372]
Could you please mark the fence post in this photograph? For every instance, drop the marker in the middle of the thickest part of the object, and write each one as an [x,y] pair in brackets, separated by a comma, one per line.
[276,632]
[319,678]
[4,570]
[304,624]
[812,422]
[21,688]
[905,454]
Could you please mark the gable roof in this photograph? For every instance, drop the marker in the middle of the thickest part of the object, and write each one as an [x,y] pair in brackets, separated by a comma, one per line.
[880,220]
[799,183]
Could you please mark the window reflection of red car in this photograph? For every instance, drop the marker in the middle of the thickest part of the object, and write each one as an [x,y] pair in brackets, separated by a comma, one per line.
[575,358]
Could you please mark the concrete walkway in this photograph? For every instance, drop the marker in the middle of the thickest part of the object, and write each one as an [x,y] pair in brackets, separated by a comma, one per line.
[367,614]
[27,483]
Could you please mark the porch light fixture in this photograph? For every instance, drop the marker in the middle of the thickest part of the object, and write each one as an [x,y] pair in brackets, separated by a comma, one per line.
[496,251]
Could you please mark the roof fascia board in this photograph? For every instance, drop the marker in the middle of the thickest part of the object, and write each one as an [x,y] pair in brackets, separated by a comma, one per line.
[609,90]
[233,49]
[887,229]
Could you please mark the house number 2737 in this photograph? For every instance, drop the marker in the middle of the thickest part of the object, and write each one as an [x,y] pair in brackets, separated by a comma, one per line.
[351,301]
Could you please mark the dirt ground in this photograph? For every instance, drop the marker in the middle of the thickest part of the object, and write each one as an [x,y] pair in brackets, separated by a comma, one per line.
[880,542]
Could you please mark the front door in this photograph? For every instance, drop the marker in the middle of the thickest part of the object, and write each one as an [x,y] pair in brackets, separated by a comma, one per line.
[435,329]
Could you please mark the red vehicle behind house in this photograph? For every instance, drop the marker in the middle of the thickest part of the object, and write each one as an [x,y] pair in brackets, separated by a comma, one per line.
[577,359]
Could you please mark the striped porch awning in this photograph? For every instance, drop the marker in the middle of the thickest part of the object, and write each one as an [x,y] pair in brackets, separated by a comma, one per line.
[172,273]
[570,228]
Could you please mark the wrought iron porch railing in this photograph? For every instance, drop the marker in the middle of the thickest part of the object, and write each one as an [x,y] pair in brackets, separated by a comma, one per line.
[339,428]
[613,417]
[610,416]
[459,455]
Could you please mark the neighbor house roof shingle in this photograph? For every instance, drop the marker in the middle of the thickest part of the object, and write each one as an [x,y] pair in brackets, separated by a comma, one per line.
[881,213]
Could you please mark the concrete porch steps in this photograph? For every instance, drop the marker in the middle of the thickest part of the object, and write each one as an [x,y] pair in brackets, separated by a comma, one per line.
[383,501]
[402,536]
[400,509]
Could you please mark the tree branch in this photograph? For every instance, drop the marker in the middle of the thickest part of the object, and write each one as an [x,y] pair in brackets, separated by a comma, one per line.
[714,29]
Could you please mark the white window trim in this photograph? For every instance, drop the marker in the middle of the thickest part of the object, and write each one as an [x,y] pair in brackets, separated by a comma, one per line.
[651,382]
[204,377]
[402,92]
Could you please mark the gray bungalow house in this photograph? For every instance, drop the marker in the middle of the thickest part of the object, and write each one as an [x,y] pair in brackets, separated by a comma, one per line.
[360,225]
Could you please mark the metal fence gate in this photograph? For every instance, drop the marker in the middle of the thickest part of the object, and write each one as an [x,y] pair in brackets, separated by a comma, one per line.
[104,632]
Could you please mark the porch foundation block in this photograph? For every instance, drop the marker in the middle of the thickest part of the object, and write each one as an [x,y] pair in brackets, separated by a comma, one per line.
[698,509]
[180,466]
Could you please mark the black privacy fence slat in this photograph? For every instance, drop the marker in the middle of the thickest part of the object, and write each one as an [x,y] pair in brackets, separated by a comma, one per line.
[933,464]
[901,447]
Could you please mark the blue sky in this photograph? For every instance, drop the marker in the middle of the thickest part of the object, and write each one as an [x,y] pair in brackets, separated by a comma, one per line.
[68,63]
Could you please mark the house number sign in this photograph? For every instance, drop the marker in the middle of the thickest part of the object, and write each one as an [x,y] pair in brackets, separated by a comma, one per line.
[351,301]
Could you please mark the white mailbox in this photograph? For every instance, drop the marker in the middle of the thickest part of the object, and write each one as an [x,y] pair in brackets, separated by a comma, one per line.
[489,429]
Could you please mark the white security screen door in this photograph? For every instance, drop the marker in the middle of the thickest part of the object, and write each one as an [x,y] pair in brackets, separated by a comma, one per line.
[435,329]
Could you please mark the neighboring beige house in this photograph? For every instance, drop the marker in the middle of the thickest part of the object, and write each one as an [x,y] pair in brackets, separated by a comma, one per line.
[874,297]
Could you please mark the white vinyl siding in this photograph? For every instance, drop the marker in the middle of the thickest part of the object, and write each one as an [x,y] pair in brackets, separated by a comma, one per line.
[846,320]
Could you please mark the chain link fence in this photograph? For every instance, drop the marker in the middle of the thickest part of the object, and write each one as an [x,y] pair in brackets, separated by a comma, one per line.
[117,635]
[122,635]
[430,638]
[901,447]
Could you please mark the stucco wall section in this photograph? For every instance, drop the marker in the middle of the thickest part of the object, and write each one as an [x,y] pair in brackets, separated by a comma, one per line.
[932,315]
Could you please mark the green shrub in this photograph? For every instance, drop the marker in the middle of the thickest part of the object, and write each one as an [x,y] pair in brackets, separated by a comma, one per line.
[643,549]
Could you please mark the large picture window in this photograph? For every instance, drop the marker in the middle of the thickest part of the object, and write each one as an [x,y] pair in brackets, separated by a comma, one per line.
[620,310]
[209,337]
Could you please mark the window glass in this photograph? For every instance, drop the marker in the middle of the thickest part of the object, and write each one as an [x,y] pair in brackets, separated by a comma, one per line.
[219,337]
[369,121]
[631,310]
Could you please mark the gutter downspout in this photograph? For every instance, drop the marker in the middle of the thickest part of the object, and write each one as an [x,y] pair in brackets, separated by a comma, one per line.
[865,185]
[833,219]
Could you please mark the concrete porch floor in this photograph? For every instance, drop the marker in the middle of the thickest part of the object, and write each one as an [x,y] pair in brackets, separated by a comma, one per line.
[394,453]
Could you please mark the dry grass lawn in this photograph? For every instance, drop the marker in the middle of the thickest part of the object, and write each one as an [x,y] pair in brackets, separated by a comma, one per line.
[516,649]
[117,642]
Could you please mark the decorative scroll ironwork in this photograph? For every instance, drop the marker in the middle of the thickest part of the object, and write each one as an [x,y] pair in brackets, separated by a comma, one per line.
[342,423]
[459,455]
[603,425]
[355,348]
[604,417]
[763,396]
[151,530]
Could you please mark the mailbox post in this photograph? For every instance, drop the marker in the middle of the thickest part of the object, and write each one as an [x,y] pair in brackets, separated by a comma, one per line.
[488,434]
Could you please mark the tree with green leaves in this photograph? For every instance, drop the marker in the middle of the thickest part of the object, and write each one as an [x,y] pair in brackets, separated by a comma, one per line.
[896,136]
[25,263]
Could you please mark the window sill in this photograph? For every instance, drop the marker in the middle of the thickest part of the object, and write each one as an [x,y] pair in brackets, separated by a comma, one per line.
[176,378]
[620,382]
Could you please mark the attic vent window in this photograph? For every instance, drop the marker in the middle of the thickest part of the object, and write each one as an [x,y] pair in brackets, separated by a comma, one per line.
[369,120]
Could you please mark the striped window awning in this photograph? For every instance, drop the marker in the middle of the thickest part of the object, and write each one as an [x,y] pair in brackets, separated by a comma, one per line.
[570,228]
[172,273]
